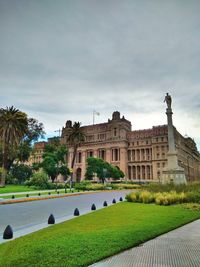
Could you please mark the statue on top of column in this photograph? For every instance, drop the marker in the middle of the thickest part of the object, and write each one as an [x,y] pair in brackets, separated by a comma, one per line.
[168,100]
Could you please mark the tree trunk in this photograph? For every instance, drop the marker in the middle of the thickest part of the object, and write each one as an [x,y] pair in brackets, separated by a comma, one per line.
[4,167]
[74,156]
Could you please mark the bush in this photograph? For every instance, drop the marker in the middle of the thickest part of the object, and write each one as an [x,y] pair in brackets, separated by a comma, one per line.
[192,206]
[125,186]
[146,197]
[193,197]
[161,198]
[82,185]
[39,180]
[96,187]
[132,197]
[190,187]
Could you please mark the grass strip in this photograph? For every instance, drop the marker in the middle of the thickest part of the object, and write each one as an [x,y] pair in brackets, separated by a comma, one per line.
[92,237]
[15,189]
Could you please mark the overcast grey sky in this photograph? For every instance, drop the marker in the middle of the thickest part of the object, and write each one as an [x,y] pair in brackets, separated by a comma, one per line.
[59,60]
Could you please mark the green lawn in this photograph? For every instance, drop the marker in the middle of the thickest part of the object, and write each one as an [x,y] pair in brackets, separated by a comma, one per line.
[23,188]
[15,188]
[92,237]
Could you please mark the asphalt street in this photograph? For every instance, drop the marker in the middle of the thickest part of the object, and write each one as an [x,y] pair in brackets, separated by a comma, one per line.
[28,217]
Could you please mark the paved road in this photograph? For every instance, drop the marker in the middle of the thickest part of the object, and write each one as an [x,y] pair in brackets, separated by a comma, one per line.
[31,216]
[178,248]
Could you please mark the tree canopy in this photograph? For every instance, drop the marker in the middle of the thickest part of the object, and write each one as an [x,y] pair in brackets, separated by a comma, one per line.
[54,160]
[102,169]
[17,132]
[76,137]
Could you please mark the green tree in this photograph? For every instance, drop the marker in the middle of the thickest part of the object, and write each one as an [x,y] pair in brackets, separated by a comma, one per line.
[76,137]
[54,160]
[102,169]
[13,126]
[21,172]
[17,132]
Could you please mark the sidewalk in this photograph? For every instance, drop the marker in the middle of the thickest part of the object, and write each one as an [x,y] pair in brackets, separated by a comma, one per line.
[178,248]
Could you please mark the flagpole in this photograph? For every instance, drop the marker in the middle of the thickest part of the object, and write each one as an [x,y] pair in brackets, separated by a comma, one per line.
[93,117]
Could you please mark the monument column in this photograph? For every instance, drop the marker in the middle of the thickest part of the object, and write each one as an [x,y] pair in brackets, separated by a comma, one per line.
[173,172]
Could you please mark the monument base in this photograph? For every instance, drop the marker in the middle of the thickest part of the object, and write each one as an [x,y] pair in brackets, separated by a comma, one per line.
[175,176]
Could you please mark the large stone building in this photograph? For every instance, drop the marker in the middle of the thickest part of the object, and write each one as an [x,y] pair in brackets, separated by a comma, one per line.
[141,154]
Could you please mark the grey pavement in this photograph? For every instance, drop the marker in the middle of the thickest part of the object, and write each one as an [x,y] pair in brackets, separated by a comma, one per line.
[178,248]
[28,217]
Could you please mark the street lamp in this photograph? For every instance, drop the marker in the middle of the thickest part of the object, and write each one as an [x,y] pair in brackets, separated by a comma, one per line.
[104,174]
[71,178]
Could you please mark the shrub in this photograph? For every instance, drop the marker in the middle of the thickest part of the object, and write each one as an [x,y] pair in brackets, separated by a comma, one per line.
[125,186]
[95,187]
[192,206]
[39,180]
[193,197]
[161,198]
[82,185]
[132,197]
[146,197]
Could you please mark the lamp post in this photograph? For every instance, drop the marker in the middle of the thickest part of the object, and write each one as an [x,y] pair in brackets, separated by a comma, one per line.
[104,174]
[71,178]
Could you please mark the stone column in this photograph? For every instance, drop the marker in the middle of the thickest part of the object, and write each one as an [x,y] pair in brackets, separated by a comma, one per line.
[172,173]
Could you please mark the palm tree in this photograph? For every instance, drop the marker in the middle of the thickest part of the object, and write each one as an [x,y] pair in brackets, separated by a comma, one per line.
[76,137]
[13,126]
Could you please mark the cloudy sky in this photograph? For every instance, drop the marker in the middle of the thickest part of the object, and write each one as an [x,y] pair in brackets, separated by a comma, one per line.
[60,60]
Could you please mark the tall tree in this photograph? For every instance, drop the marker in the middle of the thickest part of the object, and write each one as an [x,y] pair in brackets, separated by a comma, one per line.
[54,160]
[76,137]
[13,126]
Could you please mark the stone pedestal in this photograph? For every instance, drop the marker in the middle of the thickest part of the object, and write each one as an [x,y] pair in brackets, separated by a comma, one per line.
[173,173]
[176,176]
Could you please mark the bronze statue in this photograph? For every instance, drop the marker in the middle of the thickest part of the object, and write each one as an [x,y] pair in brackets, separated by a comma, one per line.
[168,100]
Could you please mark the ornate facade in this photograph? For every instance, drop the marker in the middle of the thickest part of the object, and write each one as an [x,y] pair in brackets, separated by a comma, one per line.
[140,154]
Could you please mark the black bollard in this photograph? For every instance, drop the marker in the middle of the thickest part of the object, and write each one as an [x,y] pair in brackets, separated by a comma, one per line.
[76,212]
[93,207]
[58,192]
[27,195]
[8,233]
[39,194]
[114,201]
[105,204]
[13,196]
[49,193]
[121,199]
[51,219]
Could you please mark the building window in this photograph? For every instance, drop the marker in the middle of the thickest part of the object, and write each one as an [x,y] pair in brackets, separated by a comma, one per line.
[102,154]
[163,164]
[158,164]
[115,131]
[79,157]
[129,155]
[147,142]
[90,154]
[115,154]
[101,136]
[158,155]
